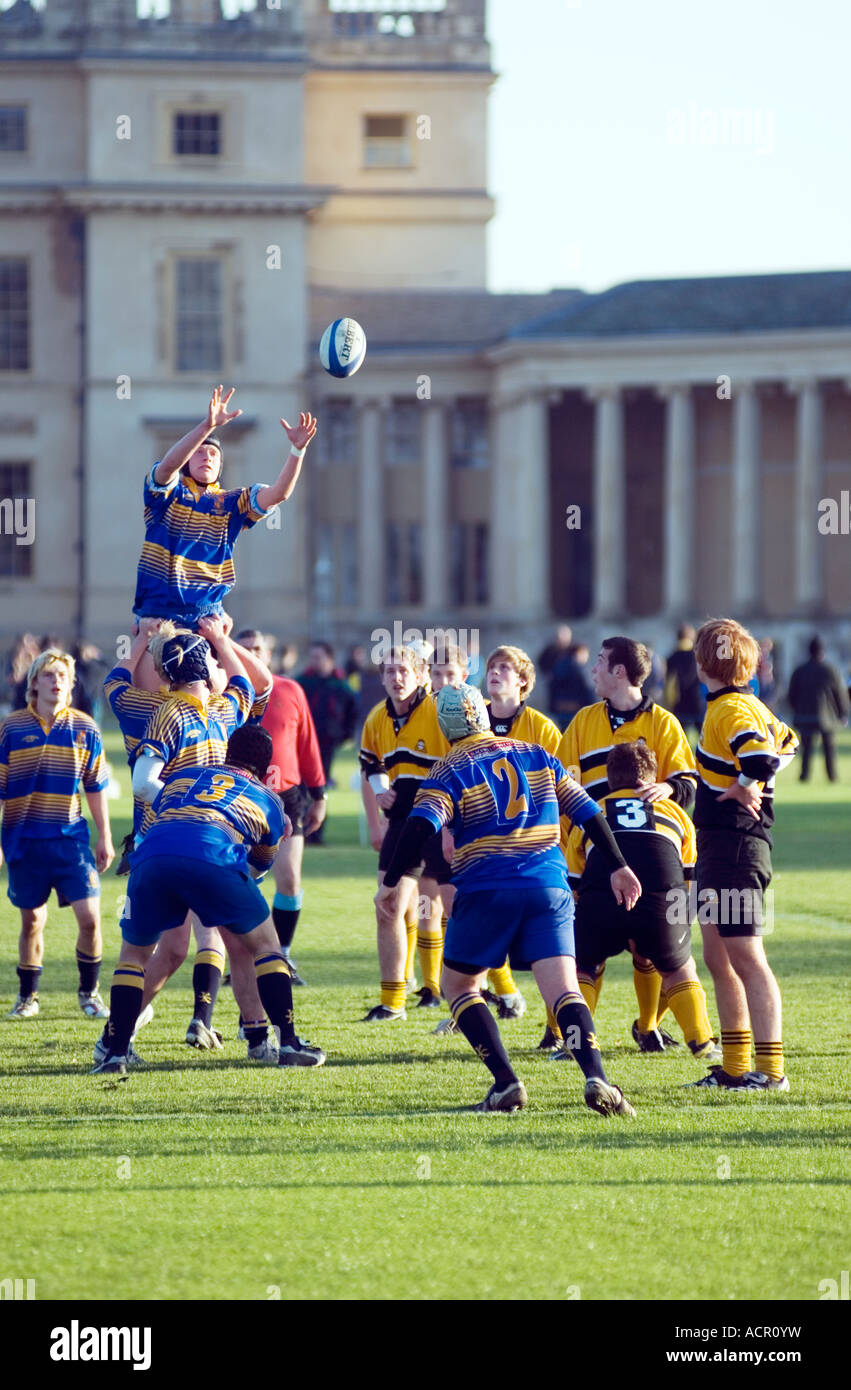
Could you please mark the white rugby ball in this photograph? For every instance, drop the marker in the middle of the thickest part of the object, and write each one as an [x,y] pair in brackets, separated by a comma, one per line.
[343,347]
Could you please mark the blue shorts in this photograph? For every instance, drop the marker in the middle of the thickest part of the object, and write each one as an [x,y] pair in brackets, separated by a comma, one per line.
[183,617]
[65,863]
[523,924]
[162,889]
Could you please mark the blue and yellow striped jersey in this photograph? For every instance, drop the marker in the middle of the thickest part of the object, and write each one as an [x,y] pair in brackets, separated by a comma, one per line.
[183,733]
[42,771]
[220,813]
[502,801]
[134,708]
[186,565]
[739,735]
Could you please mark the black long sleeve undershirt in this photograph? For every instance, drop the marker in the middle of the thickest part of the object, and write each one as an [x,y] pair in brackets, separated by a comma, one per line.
[417,830]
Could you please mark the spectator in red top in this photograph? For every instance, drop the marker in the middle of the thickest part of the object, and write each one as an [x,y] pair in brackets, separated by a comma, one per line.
[296,774]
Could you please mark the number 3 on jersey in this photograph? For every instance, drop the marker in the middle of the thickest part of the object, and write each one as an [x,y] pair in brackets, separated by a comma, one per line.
[629,813]
[222,784]
[511,791]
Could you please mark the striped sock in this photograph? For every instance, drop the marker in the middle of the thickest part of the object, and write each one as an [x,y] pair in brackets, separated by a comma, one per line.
[89,968]
[688,1005]
[393,994]
[501,980]
[664,1005]
[430,952]
[276,992]
[411,930]
[577,1026]
[648,987]
[769,1059]
[206,978]
[285,911]
[125,1001]
[736,1050]
[479,1027]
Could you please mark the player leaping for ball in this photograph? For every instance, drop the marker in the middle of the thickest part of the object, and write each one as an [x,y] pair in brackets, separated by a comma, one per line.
[191,525]
[502,800]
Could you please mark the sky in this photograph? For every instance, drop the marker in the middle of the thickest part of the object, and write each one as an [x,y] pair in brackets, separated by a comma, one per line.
[642,139]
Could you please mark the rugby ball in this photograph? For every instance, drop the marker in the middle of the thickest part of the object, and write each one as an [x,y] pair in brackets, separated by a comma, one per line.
[343,347]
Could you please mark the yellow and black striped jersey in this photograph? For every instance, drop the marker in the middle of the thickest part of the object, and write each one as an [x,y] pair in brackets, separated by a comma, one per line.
[594,731]
[405,746]
[656,838]
[527,726]
[740,735]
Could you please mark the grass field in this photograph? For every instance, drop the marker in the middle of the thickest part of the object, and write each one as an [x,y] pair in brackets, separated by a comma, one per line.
[202,1177]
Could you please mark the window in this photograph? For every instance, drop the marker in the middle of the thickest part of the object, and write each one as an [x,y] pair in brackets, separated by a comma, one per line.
[197,133]
[386,142]
[13,129]
[199,304]
[468,562]
[402,441]
[17,521]
[14,314]
[338,432]
[469,437]
[335,568]
[403,578]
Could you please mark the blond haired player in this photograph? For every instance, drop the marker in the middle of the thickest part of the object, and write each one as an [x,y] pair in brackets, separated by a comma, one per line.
[49,753]
[742,746]
[400,743]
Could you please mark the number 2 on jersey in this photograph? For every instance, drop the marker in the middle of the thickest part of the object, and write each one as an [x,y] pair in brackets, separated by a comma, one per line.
[519,796]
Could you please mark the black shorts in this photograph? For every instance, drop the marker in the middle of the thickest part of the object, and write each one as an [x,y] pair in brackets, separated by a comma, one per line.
[434,864]
[296,803]
[655,924]
[388,846]
[733,873]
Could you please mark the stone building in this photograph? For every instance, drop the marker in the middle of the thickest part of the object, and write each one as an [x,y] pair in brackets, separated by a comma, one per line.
[190,199]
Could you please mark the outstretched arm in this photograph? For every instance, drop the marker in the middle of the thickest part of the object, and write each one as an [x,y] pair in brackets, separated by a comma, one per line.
[181,452]
[213,629]
[299,436]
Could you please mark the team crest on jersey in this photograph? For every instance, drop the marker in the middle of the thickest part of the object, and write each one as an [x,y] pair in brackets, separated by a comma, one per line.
[218,504]
[80,739]
[420,745]
[30,738]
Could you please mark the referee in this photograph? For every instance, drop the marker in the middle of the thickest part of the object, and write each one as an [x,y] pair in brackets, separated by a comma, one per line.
[296,774]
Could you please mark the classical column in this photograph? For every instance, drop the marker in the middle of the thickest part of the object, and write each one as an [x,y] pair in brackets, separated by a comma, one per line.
[520,529]
[609,492]
[678,500]
[370,509]
[745,596]
[435,510]
[808,473]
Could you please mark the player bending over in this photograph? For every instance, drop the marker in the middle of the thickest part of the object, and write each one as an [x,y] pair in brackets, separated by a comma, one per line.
[212,825]
[134,709]
[48,753]
[657,841]
[192,526]
[502,800]
[742,745]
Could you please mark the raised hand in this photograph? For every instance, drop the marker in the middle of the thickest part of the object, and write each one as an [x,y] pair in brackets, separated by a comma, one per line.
[212,627]
[218,413]
[301,434]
